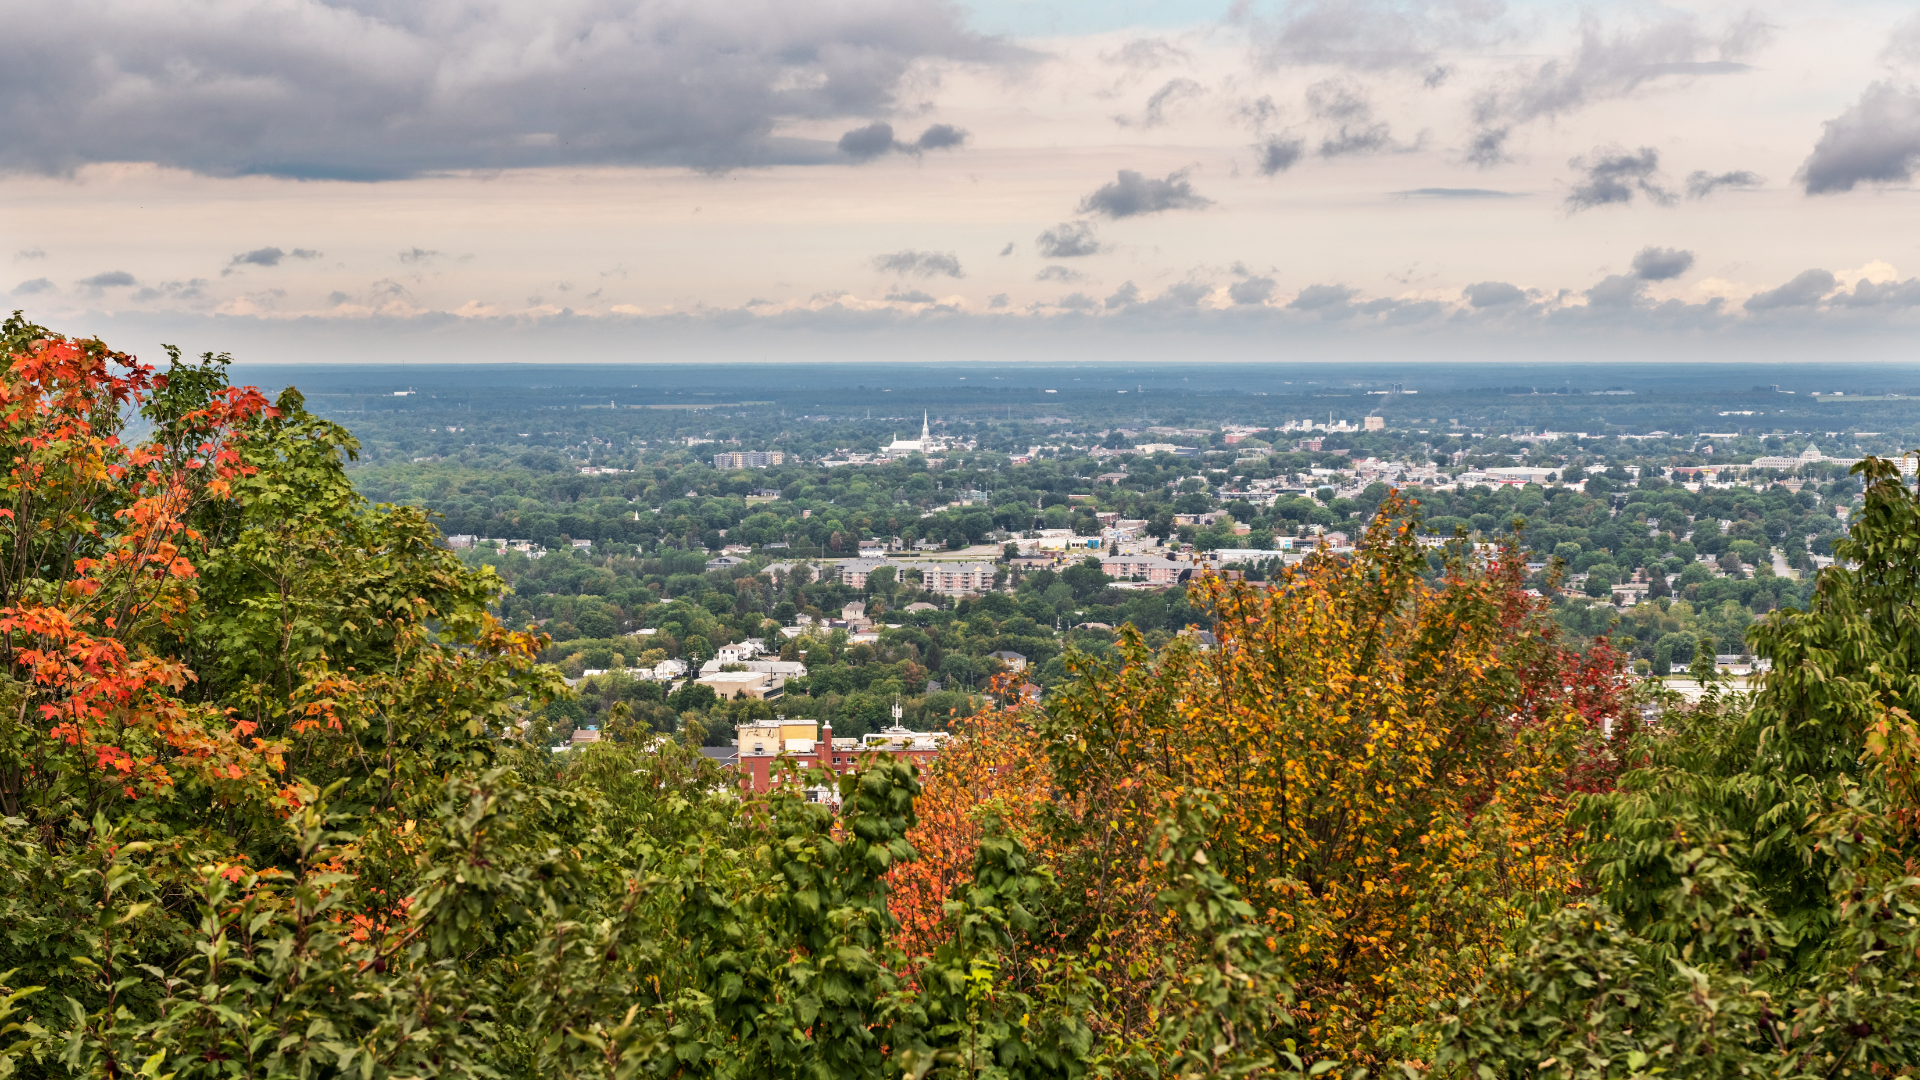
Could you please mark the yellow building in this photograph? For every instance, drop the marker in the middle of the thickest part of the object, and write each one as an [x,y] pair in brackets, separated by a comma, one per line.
[769,738]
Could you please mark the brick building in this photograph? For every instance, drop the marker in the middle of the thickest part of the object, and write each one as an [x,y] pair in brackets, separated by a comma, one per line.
[766,748]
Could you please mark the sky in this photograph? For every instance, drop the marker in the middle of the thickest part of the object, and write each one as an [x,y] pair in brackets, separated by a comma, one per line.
[449,181]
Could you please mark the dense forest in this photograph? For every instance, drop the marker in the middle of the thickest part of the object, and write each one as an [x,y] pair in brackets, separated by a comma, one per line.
[277,804]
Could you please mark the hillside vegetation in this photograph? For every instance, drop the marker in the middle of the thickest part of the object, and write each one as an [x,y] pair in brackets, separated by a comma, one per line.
[271,811]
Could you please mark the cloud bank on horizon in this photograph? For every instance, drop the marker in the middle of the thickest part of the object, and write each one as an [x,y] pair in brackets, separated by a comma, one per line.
[1321,171]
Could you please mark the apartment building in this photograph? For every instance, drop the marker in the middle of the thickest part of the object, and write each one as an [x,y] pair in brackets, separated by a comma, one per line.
[957,579]
[749,459]
[853,572]
[1148,568]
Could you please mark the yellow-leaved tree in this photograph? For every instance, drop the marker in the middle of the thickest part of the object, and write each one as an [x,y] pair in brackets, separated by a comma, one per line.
[1392,753]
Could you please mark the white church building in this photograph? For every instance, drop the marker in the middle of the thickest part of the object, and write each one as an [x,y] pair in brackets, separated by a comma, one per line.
[926,443]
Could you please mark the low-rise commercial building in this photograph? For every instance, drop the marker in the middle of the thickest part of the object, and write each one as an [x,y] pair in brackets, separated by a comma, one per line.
[1227,556]
[786,669]
[732,685]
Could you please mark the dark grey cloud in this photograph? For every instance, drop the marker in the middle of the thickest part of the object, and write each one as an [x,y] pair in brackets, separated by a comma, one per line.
[1373,35]
[924,264]
[1661,264]
[1701,183]
[1131,194]
[1318,297]
[1607,65]
[266,256]
[1163,101]
[941,137]
[1008,250]
[1617,290]
[998,300]
[27,254]
[1186,293]
[1338,99]
[1488,147]
[1357,139]
[1253,290]
[270,256]
[370,89]
[1059,273]
[867,143]
[1487,294]
[1869,294]
[1612,175]
[1805,290]
[1277,153]
[911,296]
[1877,140]
[1649,264]
[1257,113]
[1077,302]
[1455,193]
[33,288]
[1068,240]
[1882,294]
[192,290]
[1180,296]
[1342,102]
[419,255]
[109,279]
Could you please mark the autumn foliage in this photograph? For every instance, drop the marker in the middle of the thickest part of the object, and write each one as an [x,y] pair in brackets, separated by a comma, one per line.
[114,518]
[995,770]
[1392,756]
[268,811]
[173,702]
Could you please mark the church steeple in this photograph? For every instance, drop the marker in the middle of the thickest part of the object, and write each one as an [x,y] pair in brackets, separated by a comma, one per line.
[924,434]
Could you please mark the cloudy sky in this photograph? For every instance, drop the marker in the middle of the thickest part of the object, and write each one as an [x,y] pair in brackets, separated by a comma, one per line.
[1153,180]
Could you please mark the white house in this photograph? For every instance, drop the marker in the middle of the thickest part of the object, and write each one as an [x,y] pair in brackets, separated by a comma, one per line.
[737,653]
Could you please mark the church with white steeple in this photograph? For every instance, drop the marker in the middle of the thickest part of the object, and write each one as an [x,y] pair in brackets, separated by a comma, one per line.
[925,443]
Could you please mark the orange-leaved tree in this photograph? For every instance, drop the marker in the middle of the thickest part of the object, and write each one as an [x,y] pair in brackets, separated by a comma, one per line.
[202,629]
[95,551]
[995,766]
